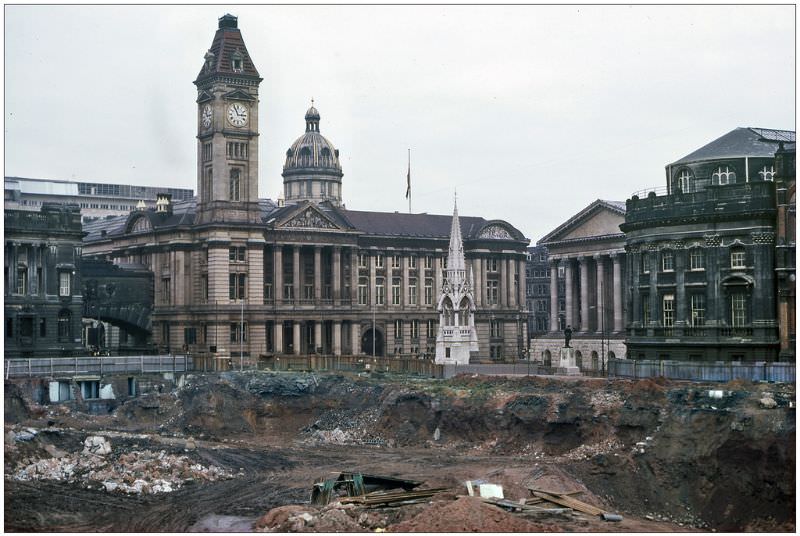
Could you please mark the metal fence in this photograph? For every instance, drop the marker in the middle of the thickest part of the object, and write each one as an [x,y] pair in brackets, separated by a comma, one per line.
[490,369]
[716,371]
[350,363]
[72,366]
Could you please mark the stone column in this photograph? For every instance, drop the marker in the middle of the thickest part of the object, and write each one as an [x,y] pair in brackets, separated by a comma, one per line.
[278,327]
[477,264]
[600,264]
[255,277]
[296,337]
[571,310]
[355,337]
[404,301]
[618,313]
[511,273]
[584,268]
[503,283]
[296,274]
[337,338]
[655,305]
[372,276]
[277,276]
[421,282]
[353,276]
[317,274]
[681,318]
[522,276]
[553,294]
[337,275]
[437,279]
[317,335]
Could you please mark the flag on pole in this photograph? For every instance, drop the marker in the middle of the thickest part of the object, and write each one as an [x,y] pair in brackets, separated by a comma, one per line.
[408,177]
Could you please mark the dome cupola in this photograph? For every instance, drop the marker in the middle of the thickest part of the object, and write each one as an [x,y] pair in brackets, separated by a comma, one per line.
[312,170]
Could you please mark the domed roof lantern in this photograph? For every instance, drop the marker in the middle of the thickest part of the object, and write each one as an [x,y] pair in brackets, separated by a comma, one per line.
[312,119]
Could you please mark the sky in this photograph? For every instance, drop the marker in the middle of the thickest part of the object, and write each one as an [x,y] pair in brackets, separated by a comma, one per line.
[530,113]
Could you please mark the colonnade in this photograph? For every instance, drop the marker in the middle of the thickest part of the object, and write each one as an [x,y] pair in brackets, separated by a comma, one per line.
[593,285]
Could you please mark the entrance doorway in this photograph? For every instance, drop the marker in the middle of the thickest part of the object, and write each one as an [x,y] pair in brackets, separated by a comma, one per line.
[366,342]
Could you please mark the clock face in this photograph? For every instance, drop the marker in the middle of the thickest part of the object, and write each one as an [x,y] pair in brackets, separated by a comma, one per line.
[205,117]
[237,114]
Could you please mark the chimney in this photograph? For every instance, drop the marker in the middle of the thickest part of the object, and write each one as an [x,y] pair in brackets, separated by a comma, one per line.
[163,205]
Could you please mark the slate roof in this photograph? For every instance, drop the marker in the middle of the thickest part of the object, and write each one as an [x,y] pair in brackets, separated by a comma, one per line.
[382,224]
[738,143]
[227,41]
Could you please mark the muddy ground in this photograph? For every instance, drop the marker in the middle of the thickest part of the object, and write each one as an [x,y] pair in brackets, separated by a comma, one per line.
[667,456]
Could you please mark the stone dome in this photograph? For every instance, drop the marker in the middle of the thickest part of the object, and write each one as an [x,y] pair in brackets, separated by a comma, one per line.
[312,152]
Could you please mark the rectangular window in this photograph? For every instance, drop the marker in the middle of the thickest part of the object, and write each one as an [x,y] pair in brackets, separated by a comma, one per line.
[398,329]
[189,335]
[412,291]
[738,309]
[166,290]
[362,260]
[395,291]
[428,291]
[645,262]
[698,310]
[42,327]
[412,262]
[395,261]
[667,261]
[415,329]
[669,310]
[428,262]
[234,184]
[697,259]
[237,254]
[9,327]
[737,258]
[430,329]
[236,286]
[492,292]
[238,329]
[288,291]
[26,326]
[645,309]
[267,291]
[379,291]
[89,389]
[495,328]
[362,291]
[491,265]
[64,331]
[561,272]
[22,281]
[64,280]
[378,261]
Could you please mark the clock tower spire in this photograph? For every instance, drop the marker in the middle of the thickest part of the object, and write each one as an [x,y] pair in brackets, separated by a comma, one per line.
[227,129]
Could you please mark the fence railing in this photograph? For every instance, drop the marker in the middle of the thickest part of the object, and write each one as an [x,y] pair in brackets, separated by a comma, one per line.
[715,371]
[351,363]
[72,366]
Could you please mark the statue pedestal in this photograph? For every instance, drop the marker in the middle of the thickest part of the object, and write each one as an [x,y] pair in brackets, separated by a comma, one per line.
[566,364]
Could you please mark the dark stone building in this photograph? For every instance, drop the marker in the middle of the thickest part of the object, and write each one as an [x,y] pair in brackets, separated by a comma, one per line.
[785,255]
[701,259]
[43,301]
[537,291]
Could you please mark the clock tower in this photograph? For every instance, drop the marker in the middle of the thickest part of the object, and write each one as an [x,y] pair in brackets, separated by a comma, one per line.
[227,130]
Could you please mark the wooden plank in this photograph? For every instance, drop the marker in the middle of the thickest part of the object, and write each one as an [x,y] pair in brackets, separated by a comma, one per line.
[557,493]
[570,502]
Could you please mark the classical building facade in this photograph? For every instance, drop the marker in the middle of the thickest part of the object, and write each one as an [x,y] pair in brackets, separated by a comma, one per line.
[786,252]
[701,270]
[587,268]
[537,292]
[238,275]
[42,301]
[95,199]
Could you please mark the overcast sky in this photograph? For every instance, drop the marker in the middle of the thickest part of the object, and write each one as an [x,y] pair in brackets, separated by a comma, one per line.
[531,112]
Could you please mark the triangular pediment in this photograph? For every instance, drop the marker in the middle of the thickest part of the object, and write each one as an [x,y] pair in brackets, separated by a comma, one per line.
[600,219]
[204,96]
[238,94]
[308,217]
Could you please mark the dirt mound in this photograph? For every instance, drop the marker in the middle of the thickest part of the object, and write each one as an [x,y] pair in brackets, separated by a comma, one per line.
[467,514]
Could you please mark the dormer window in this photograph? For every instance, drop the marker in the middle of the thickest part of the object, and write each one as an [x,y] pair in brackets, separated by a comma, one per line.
[767,173]
[685,182]
[237,62]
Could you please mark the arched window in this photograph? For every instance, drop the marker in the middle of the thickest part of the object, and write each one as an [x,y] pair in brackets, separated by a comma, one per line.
[463,312]
[723,175]
[447,309]
[548,359]
[325,157]
[64,325]
[685,181]
[305,156]
[767,173]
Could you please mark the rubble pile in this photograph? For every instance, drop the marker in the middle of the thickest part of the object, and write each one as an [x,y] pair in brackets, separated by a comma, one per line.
[589,450]
[138,472]
[345,426]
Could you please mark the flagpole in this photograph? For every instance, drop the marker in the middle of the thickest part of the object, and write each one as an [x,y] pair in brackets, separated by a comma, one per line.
[409,181]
